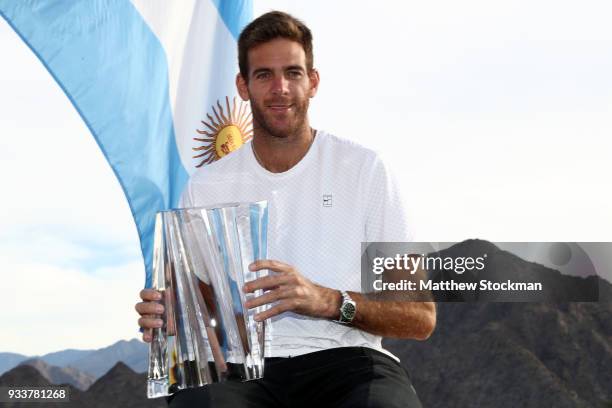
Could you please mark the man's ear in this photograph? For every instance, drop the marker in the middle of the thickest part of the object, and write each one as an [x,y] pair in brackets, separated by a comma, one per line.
[314,81]
[242,87]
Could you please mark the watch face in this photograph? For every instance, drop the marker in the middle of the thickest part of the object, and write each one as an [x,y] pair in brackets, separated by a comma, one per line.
[348,311]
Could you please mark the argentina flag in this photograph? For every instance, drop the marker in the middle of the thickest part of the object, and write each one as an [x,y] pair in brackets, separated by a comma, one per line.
[153,80]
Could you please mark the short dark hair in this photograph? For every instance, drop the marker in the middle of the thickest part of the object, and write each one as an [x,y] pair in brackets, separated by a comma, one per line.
[267,27]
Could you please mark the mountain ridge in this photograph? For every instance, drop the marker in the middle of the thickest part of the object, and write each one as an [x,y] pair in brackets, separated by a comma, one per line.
[94,362]
[61,375]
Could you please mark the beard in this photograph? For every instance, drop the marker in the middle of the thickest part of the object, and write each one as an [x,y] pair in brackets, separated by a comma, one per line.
[296,120]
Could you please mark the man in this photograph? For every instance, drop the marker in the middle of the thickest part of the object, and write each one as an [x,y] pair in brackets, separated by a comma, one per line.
[326,196]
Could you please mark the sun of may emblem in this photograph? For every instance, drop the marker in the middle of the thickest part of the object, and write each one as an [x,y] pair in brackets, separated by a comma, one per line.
[225,132]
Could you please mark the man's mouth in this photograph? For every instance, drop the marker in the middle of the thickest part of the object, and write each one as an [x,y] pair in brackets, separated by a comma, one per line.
[279,107]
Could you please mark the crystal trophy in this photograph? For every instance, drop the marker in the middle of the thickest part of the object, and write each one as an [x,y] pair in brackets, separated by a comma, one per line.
[200,264]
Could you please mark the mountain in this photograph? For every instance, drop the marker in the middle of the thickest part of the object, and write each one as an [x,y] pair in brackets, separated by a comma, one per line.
[501,266]
[536,354]
[26,374]
[120,387]
[134,353]
[62,375]
[10,360]
[509,355]
[65,357]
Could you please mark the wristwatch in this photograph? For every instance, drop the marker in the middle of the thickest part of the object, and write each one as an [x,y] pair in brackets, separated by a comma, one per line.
[347,309]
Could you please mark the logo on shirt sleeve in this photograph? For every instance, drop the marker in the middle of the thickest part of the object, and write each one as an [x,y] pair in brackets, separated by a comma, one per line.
[327,200]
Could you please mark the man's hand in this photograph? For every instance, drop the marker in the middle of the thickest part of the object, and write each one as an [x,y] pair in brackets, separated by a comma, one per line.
[292,291]
[150,312]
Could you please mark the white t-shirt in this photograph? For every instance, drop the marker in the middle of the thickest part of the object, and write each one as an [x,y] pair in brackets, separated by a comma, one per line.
[320,211]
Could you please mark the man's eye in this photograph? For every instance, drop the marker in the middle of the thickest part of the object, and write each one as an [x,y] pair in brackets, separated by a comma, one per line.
[262,75]
[294,74]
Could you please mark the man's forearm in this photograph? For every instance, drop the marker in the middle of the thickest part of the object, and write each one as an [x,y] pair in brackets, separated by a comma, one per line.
[407,319]
[387,318]
[393,318]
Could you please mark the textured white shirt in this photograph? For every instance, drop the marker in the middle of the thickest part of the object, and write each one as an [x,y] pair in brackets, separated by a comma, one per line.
[320,211]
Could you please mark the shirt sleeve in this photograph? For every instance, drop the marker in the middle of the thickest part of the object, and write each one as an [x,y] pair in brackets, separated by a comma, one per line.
[386,219]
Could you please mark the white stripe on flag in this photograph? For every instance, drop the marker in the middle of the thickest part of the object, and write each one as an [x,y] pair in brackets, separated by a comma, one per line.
[202,64]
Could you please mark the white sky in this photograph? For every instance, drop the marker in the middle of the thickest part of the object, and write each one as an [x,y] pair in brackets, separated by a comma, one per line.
[496,117]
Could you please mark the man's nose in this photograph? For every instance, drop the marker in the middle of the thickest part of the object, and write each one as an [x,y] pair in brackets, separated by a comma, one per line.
[280,85]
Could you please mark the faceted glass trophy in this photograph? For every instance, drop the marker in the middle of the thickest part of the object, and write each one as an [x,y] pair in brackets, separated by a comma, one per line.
[201,260]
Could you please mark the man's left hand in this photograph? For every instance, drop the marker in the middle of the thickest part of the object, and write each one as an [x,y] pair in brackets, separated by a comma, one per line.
[292,291]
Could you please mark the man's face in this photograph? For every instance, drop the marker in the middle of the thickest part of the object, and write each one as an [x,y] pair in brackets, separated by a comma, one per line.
[279,87]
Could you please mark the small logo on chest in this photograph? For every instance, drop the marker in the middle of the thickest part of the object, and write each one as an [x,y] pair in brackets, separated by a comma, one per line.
[327,200]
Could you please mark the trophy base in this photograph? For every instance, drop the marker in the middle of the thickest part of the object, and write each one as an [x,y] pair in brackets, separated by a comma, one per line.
[253,372]
[157,388]
[161,387]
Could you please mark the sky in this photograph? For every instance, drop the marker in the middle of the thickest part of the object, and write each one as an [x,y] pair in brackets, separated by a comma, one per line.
[494,116]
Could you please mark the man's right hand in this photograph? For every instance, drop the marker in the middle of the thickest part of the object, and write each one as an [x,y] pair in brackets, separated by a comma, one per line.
[150,312]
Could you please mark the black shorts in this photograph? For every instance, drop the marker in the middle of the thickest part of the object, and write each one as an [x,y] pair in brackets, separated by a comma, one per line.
[355,377]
